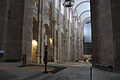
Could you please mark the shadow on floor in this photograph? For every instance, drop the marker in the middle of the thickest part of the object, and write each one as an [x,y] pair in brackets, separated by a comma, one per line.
[52,69]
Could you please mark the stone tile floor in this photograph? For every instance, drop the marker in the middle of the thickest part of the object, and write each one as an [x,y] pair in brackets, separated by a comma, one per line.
[11,71]
[73,73]
[104,75]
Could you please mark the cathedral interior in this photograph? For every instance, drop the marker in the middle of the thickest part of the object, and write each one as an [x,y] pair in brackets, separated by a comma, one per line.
[79,31]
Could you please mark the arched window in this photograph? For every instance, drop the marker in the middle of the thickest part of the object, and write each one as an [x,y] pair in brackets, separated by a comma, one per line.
[67,13]
[76,24]
[36,3]
[70,15]
[57,4]
[62,8]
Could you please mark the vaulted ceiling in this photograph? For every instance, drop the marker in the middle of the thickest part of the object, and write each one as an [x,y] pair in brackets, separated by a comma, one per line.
[82,9]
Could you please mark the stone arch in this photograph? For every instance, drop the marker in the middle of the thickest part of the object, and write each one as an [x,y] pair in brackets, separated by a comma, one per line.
[83,13]
[35,29]
[80,4]
[47,29]
[35,33]
[85,19]
[49,44]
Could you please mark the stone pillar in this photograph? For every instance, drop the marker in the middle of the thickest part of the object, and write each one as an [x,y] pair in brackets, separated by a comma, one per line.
[82,38]
[102,32]
[3,24]
[54,31]
[27,30]
[13,24]
[65,34]
[94,31]
[115,9]
[106,32]
[72,38]
[42,43]
[3,11]
[69,53]
[54,43]
[79,53]
[75,40]
[59,44]
[40,24]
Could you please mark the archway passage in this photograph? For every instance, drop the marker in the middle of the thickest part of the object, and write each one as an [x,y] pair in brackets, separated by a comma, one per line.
[35,41]
[48,33]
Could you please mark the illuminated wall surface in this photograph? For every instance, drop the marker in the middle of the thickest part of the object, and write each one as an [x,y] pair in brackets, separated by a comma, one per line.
[87,33]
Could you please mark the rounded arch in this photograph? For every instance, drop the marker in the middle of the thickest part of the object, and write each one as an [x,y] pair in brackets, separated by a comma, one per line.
[47,30]
[86,19]
[35,29]
[83,13]
[80,4]
[75,11]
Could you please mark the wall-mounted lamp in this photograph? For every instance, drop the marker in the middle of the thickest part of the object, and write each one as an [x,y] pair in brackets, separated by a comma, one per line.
[34,43]
[51,42]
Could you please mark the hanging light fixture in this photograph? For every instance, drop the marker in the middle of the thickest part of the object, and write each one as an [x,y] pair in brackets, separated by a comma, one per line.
[68,3]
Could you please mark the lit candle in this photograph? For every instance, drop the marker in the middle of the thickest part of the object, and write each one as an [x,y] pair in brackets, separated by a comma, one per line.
[46,40]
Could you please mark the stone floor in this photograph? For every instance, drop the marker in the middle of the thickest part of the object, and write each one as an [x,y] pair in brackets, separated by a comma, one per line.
[104,75]
[11,71]
[73,73]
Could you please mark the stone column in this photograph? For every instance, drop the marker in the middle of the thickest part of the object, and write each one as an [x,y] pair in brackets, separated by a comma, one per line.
[40,12]
[3,13]
[12,28]
[65,34]
[79,41]
[69,25]
[27,30]
[115,9]
[4,23]
[54,43]
[102,32]
[54,31]
[72,38]
[75,39]
[59,44]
